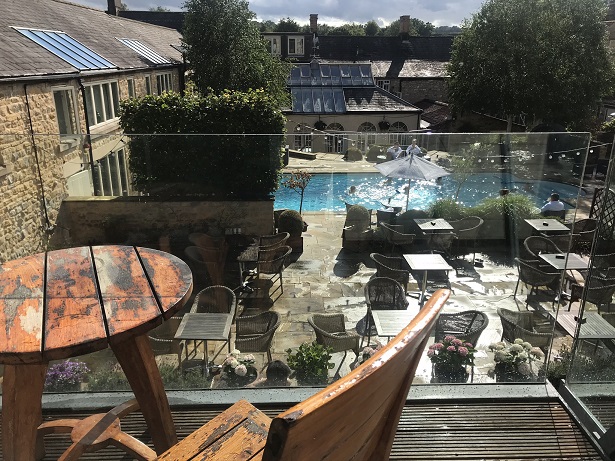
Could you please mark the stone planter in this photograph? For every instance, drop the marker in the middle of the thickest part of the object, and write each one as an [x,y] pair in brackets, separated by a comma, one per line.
[296,243]
[506,373]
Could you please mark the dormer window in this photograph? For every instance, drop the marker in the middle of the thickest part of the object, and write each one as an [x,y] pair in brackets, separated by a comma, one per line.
[274,45]
[295,45]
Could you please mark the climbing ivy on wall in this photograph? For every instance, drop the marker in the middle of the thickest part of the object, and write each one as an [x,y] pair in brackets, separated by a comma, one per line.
[224,146]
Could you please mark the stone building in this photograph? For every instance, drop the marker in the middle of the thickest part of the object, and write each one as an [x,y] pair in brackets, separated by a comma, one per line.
[64,68]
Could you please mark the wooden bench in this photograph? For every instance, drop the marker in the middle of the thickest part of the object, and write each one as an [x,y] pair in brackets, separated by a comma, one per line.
[354,418]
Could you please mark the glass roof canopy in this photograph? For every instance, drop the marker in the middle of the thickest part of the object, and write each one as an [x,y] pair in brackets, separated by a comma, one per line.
[144,51]
[67,48]
[318,88]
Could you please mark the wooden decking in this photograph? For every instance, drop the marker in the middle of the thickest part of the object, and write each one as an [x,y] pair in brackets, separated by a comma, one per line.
[467,430]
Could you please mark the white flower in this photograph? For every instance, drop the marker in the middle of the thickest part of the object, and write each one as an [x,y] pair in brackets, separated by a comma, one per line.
[538,353]
[516,348]
[524,368]
[235,352]
[519,341]
[500,356]
[234,363]
[241,370]
[248,358]
[523,356]
[527,345]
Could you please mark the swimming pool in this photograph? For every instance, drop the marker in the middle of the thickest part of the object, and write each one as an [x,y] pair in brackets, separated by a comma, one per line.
[327,192]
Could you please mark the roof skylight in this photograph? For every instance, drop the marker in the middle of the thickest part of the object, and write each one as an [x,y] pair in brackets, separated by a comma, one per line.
[67,48]
[144,51]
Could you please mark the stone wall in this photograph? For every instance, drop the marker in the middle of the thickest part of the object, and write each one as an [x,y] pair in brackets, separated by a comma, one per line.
[139,221]
[417,89]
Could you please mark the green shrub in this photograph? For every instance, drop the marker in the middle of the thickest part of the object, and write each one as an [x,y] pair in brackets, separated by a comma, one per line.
[358,216]
[447,209]
[221,166]
[513,205]
[290,221]
[374,152]
[353,154]
[311,363]
[108,378]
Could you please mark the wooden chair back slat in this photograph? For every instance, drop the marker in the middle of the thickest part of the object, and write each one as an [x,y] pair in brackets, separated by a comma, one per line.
[357,416]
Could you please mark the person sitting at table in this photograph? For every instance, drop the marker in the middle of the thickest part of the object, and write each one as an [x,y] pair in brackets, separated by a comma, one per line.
[413,149]
[277,376]
[394,151]
[553,206]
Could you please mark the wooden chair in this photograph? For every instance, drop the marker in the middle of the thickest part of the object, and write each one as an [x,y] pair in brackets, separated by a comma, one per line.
[354,418]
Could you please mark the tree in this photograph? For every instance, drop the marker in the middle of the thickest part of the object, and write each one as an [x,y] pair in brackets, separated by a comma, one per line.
[348,29]
[424,29]
[545,59]
[287,25]
[226,51]
[159,9]
[297,182]
[266,26]
[372,28]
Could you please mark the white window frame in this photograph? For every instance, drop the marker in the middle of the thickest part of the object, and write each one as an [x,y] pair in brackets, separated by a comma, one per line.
[75,113]
[274,44]
[164,82]
[132,91]
[108,111]
[384,84]
[148,84]
[112,174]
[296,41]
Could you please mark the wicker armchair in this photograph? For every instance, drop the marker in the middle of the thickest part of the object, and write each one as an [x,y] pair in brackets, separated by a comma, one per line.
[467,325]
[254,333]
[565,242]
[381,293]
[535,275]
[467,230]
[394,234]
[200,268]
[162,339]
[331,331]
[586,228]
[599,291]
[442,242]
[272,262]
[535,245]
[271,242]
[517,324]
[392,267]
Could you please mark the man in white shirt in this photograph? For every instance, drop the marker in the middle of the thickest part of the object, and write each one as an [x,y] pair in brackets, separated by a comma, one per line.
[554,204]
[414,149]
[394,151]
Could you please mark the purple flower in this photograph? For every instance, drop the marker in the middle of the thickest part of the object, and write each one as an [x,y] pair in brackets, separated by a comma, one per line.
[438,346]
[463,351]
[457,342]
[451,348]
[449,338]
[468,345]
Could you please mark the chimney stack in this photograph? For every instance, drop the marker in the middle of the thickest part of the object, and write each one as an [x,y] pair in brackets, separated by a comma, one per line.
[404,25]
[314,23]
[113,6]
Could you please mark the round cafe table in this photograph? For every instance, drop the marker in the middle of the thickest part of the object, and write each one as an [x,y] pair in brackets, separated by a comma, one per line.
[71,302]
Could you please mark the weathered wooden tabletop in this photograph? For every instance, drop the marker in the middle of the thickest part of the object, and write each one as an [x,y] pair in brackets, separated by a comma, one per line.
[75,301]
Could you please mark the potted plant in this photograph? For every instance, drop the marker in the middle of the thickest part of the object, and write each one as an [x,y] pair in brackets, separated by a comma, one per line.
[291,221]
[311,363]
[450,358]
[384,125]
[238,370]
[514,362]
[357,233]
[298,181]
[65,376]
[320,125]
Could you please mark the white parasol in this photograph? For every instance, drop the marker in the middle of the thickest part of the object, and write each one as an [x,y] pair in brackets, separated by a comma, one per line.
[411,167]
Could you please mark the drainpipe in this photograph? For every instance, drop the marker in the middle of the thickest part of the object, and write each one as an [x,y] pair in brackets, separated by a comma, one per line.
[88,138]
[48,225]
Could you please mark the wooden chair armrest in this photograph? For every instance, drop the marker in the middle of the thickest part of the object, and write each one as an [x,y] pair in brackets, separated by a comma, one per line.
[238,433]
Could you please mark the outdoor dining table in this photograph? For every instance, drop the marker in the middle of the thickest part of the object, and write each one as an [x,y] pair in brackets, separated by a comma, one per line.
[546,226]
[247,257]
[389,323]
[429,226]
[593,325]
[206,326]
[74,301]
[426,262]
[563,262]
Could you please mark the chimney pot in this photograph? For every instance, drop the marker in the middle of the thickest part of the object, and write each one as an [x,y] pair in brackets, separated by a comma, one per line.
[113,6]
[404,24]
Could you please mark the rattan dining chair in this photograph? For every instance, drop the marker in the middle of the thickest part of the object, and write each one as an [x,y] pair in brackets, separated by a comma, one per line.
[331,332]
[395,236]
[381,293]
[520,324]
[536,244]
[272,263]
[271,242]
[254,333]
[466,325]
[467,230]
[393,267]
[532,273]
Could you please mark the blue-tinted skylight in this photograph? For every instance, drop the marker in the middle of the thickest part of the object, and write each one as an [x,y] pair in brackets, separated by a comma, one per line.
[316,74]
[67,48]
[314,100]
[144,51]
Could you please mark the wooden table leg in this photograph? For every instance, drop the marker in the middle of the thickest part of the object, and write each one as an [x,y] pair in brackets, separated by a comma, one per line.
[22,389]
[137,360]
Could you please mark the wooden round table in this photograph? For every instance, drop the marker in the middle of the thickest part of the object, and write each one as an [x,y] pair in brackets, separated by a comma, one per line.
[75,301]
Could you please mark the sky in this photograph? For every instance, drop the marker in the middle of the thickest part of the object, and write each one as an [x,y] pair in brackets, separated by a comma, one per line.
[336,12]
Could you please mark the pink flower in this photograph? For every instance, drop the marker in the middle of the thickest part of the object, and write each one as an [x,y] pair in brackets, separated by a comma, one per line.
[449,338]
[241,370]
[451,348]
[438,346]
[457,342]
[463,351]
[468,345]
[431,353]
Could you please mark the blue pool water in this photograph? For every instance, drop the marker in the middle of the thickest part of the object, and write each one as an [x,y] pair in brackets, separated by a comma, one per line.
[327,192]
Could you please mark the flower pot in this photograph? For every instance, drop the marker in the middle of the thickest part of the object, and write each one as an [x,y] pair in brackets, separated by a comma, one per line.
[445,374]
[233,380]
[507,373]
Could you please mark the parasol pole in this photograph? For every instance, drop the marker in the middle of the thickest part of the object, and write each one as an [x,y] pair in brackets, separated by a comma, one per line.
[408,189]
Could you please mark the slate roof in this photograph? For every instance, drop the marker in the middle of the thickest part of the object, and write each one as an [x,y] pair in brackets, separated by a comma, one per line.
[434,112]
[95,29]
[410,68]
[375,99]
[364,48]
